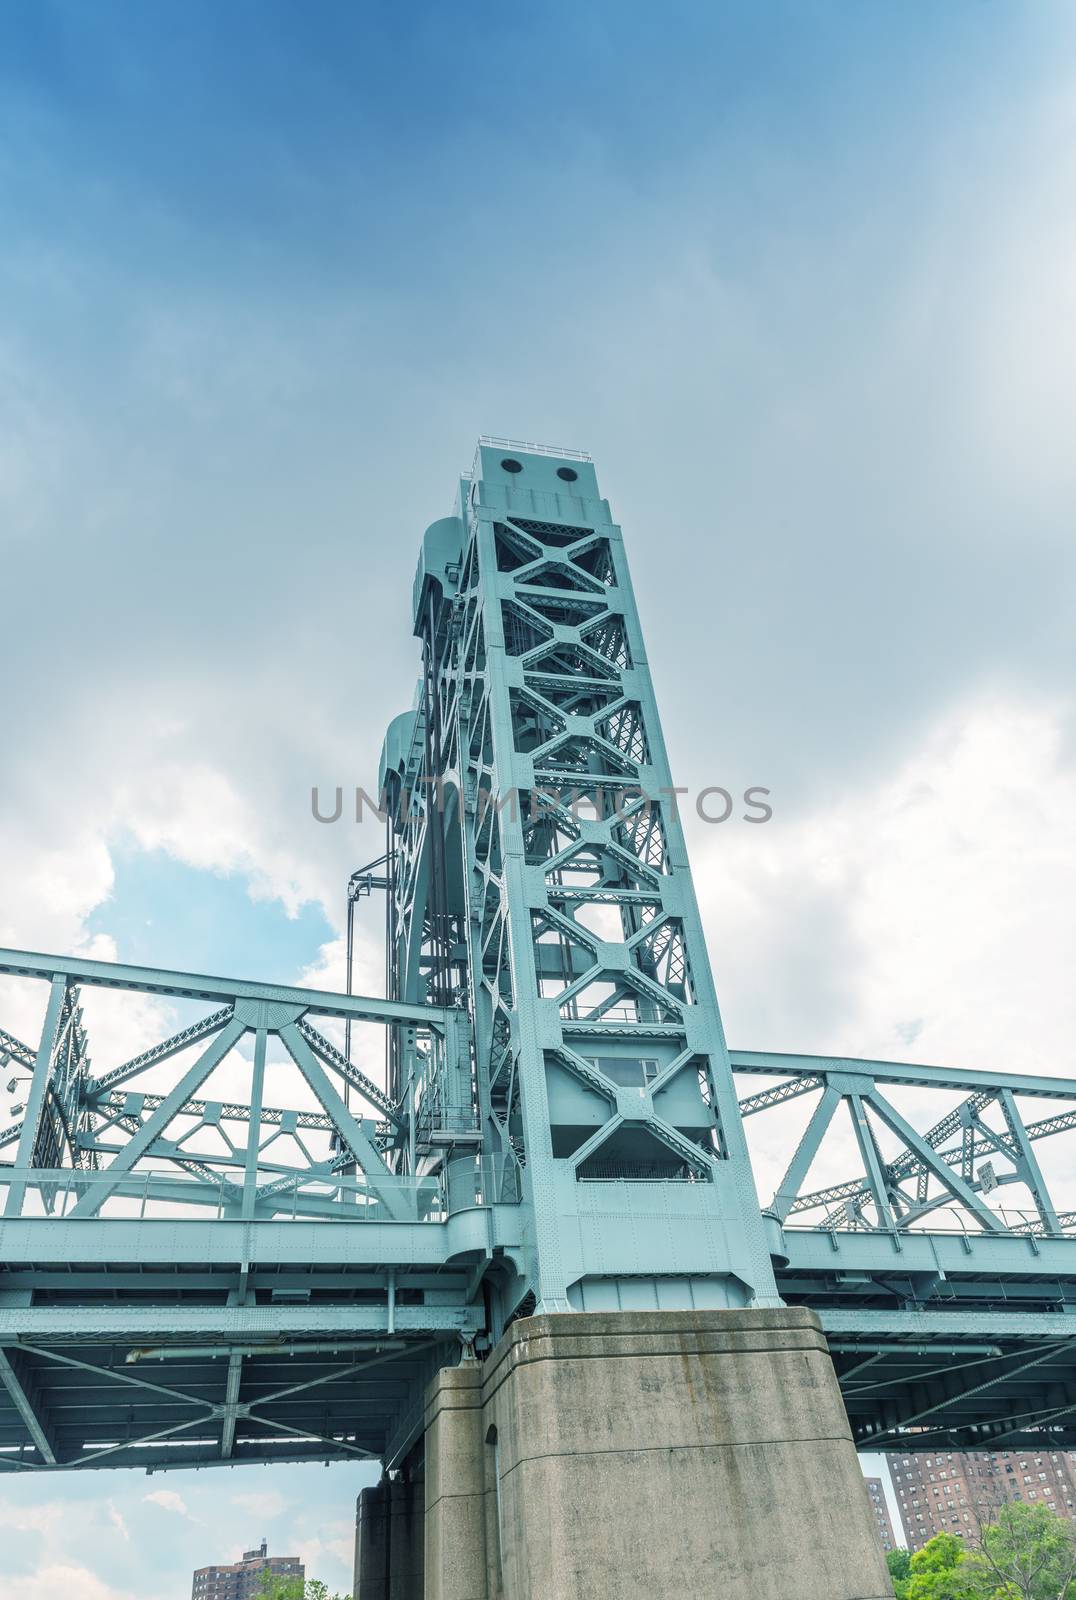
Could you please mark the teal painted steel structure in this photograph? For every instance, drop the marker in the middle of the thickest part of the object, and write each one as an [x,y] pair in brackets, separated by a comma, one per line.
[205,1260]
[542,881]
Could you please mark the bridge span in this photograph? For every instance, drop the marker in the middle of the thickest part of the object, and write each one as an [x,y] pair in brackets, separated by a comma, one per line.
[557,1198]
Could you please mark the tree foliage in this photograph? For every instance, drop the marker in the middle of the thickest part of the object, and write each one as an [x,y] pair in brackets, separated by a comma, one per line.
[1028,1552]
[940,1571]
[1024,1552]
[899,1563]
[274,1587]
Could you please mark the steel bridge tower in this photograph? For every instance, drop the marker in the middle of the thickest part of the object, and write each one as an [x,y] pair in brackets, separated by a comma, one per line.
[651,1391]
[540,881]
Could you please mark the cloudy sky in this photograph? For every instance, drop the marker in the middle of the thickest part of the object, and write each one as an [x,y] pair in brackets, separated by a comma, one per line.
[802,276]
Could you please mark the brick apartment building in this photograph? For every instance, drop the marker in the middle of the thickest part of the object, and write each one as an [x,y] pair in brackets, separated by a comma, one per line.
[242,1580]
[876,1491]
[940,1492]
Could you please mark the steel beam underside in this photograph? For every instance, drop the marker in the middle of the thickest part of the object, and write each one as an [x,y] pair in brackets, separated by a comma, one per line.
[278,1389]
[177,1344]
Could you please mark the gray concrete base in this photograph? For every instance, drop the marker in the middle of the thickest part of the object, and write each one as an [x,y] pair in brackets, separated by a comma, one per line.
[460,1486]
[663,1455]
[389,1542]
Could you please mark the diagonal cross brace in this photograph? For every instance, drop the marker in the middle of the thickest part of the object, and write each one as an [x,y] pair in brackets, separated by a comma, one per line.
[173,1046]
[91,1202]
[39,1084]
[1027,1163]
[16,1049]
[789,1187]
[382,1182]
[335,1058]
[930,1158]
[36,1424]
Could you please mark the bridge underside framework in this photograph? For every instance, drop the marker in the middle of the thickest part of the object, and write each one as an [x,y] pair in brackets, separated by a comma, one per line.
[168,1298]
[243,1240]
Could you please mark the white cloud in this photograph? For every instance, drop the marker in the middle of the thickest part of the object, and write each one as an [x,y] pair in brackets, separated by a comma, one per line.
[56,1579]
[198,815]
[45,1518]
[339,1540]
[267,1503]
[1020,376]
[116,1517]
[924,917]
[168,1500]
[936,902]
[329,1542]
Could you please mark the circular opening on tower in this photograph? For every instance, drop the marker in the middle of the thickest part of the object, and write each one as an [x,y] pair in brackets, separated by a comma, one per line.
[569,474]
[510,464]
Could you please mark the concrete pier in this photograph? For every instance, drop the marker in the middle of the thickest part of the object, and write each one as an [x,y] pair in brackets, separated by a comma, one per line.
[389,1541]
[668,1455]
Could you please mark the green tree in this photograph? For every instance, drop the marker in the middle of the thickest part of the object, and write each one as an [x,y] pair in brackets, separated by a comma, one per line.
[899,1563]
[942,1570]
[1028,1552]
[274,1587]
[1024,1552]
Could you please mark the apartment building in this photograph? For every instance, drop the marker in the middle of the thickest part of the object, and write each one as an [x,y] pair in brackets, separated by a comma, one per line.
[949,1492]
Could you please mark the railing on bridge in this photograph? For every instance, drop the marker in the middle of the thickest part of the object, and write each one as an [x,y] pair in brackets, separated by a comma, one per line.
[164,1195]
[953,1221]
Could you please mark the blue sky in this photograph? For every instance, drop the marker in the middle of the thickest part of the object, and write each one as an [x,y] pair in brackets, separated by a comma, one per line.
[801,276]
[163,913]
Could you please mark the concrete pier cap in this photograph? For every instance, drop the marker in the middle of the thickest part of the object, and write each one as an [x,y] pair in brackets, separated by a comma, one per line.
[676,1455]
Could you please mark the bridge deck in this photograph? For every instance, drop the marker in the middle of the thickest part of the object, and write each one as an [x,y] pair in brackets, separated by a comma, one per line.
[176,1343]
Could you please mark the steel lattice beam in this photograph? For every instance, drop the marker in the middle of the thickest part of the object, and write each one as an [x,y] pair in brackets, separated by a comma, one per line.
[559,1122]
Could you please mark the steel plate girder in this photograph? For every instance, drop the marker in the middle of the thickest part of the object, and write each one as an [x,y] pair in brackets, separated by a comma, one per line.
[199,986]
[991,1256]
[225,1324]
[963,1079]
[149,1241]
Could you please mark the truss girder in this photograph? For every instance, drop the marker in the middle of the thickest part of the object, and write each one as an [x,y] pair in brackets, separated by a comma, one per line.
[200,986]
[183,1040]
[558,1125]
[121,1137]
[16,1050]
[956,1175]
